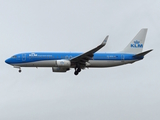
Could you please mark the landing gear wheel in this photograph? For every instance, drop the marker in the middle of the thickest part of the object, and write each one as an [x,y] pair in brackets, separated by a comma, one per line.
[76,72]
[79,69]
[20,71]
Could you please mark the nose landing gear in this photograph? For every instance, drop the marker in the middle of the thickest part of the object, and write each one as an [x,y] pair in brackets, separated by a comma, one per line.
[18,68]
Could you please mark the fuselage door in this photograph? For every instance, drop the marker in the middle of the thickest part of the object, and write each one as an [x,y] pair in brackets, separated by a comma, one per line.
[122,57]
[23,57]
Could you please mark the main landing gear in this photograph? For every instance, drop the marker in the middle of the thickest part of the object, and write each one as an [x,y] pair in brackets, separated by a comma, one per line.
[19,70]
[77,70]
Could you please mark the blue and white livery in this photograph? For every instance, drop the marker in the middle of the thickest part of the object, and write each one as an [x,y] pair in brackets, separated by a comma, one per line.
[62,62]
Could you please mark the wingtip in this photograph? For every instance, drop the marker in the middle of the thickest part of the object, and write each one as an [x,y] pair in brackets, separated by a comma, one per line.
[105,40]
[106,37]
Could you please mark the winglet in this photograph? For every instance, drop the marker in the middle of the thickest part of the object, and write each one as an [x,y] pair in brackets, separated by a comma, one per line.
[105,40]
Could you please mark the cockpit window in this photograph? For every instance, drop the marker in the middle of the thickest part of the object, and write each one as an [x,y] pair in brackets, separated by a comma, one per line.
[14,56]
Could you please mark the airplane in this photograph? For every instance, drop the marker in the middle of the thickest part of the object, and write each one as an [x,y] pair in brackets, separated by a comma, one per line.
[64,61]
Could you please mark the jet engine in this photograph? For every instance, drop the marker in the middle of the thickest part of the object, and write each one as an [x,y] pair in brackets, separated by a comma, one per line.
[63,63]
[59,69]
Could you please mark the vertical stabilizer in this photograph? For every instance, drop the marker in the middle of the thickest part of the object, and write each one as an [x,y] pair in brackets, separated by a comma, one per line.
[137,43]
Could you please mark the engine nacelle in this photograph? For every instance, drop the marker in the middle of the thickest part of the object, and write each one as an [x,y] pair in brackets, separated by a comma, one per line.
[63,63]
[59,69]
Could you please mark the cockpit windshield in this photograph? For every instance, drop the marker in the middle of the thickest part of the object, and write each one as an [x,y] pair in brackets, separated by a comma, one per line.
[14,56]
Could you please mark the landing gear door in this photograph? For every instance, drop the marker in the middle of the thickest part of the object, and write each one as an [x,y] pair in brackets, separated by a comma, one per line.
[23,57]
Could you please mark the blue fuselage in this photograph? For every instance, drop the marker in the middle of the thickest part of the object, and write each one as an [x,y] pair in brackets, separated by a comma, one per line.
[23,59]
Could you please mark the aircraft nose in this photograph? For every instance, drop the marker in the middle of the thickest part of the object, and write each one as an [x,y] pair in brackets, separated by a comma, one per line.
[7,61]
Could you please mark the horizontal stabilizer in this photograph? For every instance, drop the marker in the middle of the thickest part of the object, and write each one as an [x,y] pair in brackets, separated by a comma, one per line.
[143,53]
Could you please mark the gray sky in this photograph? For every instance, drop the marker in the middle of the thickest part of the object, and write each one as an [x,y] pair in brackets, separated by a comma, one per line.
[125,92]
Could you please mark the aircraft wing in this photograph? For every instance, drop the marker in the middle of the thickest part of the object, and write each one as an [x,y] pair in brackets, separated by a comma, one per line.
[83,58]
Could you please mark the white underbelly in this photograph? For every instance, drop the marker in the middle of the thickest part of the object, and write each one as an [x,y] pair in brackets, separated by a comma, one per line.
[108,63]
[92,63]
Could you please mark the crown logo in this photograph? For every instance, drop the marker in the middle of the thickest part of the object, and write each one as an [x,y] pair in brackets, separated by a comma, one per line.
[136,42]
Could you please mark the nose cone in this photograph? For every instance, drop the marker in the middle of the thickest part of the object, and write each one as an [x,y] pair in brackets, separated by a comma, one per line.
[7,61]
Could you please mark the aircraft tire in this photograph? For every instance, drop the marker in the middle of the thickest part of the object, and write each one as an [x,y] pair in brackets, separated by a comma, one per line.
[76,72]
[79,70]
